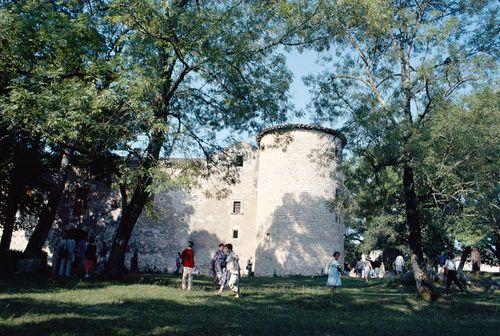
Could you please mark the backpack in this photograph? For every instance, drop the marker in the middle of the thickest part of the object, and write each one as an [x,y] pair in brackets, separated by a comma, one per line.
[63,251]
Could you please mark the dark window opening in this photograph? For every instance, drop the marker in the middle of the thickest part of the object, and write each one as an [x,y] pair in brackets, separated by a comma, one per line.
[236,207]
[239,161]
[235,234]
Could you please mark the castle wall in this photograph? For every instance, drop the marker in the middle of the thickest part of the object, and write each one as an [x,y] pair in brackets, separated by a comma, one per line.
[285,224]
[181,216]
[297,232]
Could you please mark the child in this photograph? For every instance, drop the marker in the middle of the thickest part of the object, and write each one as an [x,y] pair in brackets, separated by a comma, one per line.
[334,273]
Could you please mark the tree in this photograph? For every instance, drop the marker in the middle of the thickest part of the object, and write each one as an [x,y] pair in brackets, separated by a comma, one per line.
[395,64]
[461,144]
[59,92]
[20,161]
[461,167]
[196,69]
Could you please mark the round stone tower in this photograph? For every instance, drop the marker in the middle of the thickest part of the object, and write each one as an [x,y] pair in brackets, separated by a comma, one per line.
[298,175]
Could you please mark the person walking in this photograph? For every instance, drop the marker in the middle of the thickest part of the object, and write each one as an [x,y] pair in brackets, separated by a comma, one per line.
[334,273]
[450,269]
[218,265]
[367,269]
[90,257]
[399,263]
[66,254]
[232,272]
[187,257]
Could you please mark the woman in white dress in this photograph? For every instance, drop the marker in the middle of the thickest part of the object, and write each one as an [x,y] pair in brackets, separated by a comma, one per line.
[334,273]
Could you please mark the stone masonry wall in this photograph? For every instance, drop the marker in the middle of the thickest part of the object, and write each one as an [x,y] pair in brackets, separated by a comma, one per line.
[286,225]
[296,230]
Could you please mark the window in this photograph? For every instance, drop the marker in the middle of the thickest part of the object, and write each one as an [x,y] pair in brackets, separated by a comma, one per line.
[238,162]
[235,234]
[236,207]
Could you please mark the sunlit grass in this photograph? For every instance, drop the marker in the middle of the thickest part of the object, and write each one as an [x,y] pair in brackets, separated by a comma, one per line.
[154,305]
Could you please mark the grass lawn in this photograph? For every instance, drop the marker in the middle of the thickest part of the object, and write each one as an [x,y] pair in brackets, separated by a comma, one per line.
[154,305]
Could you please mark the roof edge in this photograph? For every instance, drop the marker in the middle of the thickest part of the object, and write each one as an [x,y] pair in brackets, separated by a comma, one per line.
[290,127]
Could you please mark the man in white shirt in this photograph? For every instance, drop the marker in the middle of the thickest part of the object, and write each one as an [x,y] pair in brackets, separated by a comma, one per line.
[451,273]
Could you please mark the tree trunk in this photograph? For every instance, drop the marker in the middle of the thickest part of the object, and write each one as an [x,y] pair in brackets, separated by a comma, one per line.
[463,259]
[11,206]
[49,211]
[115,268]
[423,282]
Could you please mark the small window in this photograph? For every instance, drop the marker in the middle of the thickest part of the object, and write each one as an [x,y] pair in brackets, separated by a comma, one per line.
[235,234]
[236,207]
[238,162]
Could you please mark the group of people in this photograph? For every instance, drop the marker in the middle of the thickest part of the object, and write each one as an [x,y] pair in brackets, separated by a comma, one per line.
[79,257]
[371,269]
[225,268]
[367,268]
[363,268]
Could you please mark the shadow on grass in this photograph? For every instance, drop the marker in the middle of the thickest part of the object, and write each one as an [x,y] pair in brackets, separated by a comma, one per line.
[281,306]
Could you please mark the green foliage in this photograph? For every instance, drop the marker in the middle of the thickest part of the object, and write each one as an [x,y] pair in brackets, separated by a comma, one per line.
[57,62]
[197,75]
[408,79]
[461,166]
[59,92]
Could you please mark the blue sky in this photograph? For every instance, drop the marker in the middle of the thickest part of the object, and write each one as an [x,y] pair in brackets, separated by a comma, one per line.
[301,64]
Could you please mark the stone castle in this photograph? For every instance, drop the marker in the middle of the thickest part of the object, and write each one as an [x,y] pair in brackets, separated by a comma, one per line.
[278,213]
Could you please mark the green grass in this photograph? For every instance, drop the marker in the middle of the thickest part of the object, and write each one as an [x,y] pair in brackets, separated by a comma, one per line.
[154,305]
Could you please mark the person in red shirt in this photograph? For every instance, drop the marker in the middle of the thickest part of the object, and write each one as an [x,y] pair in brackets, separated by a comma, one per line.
[187,257]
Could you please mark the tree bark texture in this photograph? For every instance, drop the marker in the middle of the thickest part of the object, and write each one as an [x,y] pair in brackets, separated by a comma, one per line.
[463,258]
[423,282]
[15,190]
[115,268]
[49,211]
